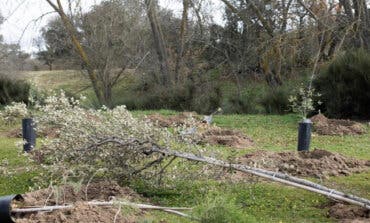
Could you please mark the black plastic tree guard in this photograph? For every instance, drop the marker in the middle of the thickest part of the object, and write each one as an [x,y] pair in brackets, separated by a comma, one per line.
[5,207]
[29,134]
[304,135]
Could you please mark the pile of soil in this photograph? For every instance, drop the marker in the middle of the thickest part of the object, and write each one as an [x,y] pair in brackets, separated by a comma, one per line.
[81,212]
[226,137]
[324,126]
[208,134]
[317,163]
[48,132]
[173,120]
[349,213]
[14,133]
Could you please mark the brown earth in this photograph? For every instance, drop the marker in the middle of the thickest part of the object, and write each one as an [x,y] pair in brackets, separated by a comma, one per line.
[14,133]
[208,134]
[173,120]
[81,212]
[349,213]
[325,126]
[48,132]
[226,137]
[317,163]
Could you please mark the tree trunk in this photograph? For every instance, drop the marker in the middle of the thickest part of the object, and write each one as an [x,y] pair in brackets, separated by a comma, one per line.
[265,23]
[181,47]
[159,42]
[347,8]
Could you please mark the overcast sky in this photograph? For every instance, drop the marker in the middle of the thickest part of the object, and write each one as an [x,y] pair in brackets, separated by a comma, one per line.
[23,23]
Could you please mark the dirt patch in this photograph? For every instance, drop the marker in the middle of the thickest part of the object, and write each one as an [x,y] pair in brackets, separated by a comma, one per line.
[226,137]
[325,126]
[50,132]
[317,163]
[203,132]
[81,212]
[173,120]
[349,213]
[14,133]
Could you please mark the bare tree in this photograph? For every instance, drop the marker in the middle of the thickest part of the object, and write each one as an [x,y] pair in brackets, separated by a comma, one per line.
[72,31]
[114,38]
[109,38]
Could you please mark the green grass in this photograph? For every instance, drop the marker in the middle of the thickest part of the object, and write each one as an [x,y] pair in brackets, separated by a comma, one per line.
[69,80]
[279,133]
[74,83]
[265,202]
[19,171]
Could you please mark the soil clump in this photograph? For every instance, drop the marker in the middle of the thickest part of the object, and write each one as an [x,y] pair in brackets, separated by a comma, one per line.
[173,120]
[81,212]
[226,137]
[349,213]
[317,163]
[325,126]
[205,133]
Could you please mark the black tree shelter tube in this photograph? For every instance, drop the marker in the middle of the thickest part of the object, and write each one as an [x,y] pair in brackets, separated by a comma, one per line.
[29,134]
[304,135]
[5,207]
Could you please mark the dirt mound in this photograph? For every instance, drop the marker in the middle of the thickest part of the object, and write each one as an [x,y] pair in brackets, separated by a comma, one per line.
[173,120]
[325,126]
[226,137]
[207,134]
[81,212]
[48,132]
[349,213]
[316,163]
[14,133]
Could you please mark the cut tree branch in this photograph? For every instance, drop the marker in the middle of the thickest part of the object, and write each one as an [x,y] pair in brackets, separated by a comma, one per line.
[274,176]
[173,210]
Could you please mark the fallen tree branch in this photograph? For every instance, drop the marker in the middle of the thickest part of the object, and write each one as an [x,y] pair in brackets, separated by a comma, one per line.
[173,210]
[275,176]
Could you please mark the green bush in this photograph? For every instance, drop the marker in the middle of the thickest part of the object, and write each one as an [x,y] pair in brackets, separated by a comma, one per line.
[275,101]
[345,86]
[12,90]
[194,94]
[245,104]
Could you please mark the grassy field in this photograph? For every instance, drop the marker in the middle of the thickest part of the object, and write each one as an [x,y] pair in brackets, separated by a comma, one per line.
[253,201]
[69,80]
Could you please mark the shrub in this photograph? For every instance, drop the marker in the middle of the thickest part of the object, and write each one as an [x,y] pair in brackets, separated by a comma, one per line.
[194,94]
[345,86]
[12,90]
[14,112]
[246,103]
[275,101]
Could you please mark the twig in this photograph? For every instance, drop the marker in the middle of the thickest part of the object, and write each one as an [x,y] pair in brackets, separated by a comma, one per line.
[154,162]
[117,213]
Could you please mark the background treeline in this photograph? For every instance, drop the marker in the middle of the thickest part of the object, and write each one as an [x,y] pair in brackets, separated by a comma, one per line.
[147,57]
